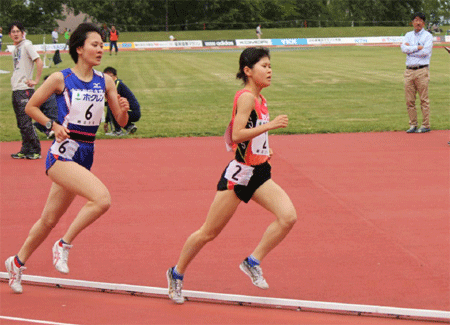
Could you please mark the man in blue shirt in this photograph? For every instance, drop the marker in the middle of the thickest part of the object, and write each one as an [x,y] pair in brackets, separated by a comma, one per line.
[134,114]
[417,46]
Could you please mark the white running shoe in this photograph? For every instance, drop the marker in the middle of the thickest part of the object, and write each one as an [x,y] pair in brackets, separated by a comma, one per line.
[14,274]
[61,256]
[175,286]
[255,273]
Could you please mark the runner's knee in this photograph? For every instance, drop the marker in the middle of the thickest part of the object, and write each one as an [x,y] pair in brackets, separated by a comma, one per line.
[103,201]
[288,218]
[208,235]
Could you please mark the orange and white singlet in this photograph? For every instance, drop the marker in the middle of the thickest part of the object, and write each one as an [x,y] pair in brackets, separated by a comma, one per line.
[255,151]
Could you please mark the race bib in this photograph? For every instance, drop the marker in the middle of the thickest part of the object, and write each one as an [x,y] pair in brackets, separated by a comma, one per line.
[260,144]
[239,173]
[65,149]
[87,107]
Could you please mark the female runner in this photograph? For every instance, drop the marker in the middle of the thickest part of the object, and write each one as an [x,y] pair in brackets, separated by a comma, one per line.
[246,177]
[80,94]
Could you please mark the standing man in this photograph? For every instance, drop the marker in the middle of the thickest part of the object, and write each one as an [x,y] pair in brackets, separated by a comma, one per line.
[66,37]
[22,83]
[113,38]
[258,31]
[1,38]
[55,36]
[417,46]
[104,33]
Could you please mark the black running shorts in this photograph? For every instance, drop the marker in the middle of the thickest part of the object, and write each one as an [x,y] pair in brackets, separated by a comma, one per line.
[261,174]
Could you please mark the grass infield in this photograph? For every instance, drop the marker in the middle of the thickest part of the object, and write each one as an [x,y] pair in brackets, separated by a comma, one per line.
[321,89]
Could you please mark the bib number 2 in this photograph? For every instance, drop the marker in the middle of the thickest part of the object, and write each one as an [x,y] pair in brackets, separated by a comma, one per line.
[260,144]
[238,173]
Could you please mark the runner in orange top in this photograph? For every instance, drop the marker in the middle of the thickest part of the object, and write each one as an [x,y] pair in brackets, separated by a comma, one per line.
[246,177]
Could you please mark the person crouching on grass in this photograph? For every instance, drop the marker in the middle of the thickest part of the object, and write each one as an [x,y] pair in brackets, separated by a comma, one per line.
[80,95]
[246,177]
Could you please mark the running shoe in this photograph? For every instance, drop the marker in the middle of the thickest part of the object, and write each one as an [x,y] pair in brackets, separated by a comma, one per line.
[175,286]
[61,256]
[19,155]
[116,133]
[33,156]
[255,273]
[14,274]
[131,129]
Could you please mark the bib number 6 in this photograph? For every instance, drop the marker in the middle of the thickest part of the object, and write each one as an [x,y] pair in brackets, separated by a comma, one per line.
[65,149]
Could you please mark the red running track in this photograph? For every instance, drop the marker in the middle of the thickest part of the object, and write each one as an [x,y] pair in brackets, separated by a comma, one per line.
[373,225]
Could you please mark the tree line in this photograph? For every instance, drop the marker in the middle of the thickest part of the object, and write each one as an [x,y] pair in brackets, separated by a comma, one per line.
[158,15]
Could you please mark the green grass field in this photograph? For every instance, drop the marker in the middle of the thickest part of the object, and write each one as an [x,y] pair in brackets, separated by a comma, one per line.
[323,90]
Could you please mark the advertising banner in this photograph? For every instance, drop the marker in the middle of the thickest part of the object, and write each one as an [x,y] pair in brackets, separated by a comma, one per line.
[120,45]
[355,40]
[219,43]
[167,44]
[253,42]
[289,41]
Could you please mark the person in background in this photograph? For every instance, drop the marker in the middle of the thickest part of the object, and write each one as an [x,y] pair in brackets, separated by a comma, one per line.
[258,31]
[67,38]
[25,58]
[105,33]
[55,36]
[134,113]
[417,45]
[50,109]
[113,38]
[1,38]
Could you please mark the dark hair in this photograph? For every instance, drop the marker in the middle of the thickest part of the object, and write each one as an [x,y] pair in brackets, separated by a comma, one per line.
[249,57]
[18,24]
[79,36]
[110,70]
[420,15]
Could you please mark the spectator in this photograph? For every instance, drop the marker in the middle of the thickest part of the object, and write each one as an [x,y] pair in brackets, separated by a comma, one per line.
[55,36]
[22,83]
[417,46]
[105,33]
[113,38]
[50,109]
[1,38]
[66,37]
[258,31]
[134,114]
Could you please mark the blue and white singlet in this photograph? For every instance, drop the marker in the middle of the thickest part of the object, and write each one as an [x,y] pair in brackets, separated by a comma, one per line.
[80,109]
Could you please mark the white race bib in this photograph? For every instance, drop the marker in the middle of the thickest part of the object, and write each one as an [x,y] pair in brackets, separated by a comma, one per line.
[260,144]
[239,173]
[87,107]
[65,149]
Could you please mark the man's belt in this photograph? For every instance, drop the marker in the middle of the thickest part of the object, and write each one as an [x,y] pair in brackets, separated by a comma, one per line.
[416,67]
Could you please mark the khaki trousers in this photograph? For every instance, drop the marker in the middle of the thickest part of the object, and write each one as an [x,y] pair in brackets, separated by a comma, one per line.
[416,81]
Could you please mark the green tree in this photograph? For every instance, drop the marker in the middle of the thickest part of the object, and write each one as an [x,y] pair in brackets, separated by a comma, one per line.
[35,15]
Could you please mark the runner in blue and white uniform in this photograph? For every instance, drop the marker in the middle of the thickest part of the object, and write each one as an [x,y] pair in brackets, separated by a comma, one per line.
[80,93]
